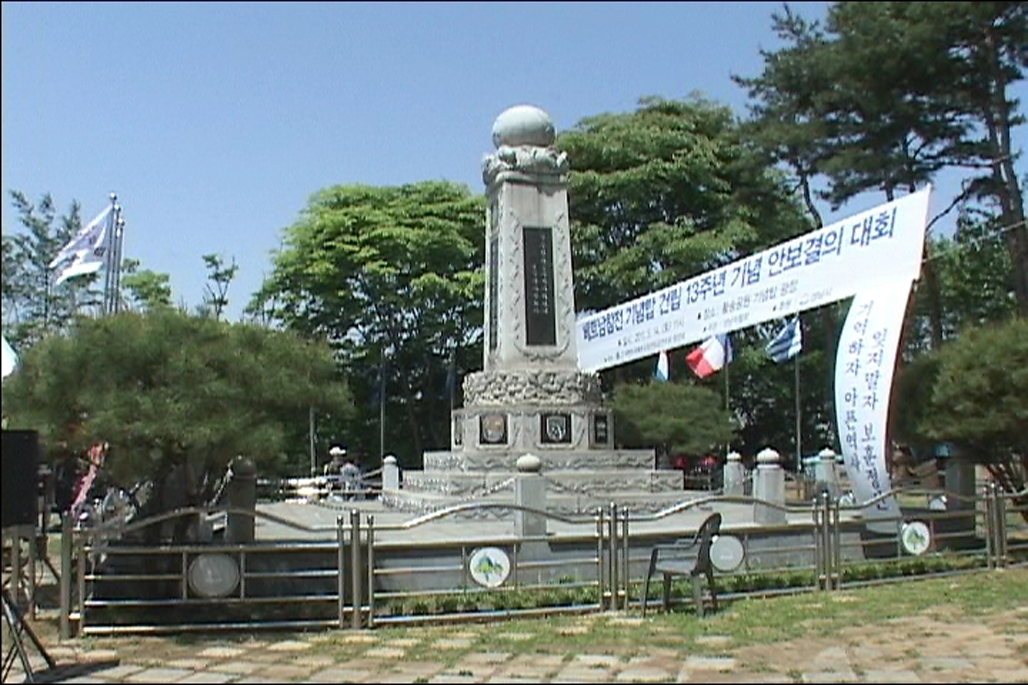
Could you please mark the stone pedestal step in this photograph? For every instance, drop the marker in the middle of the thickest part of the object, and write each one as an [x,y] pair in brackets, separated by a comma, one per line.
[591,482]
[551,460]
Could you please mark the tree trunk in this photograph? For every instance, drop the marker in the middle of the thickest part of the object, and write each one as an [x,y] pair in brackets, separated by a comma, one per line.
[1008,189]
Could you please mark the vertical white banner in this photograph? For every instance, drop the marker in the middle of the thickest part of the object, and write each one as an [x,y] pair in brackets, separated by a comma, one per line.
[864,365]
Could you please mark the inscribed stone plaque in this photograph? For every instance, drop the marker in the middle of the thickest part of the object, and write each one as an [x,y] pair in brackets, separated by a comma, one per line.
[556,428]
[540,313]
[492,429]
[494,290]
[600,429]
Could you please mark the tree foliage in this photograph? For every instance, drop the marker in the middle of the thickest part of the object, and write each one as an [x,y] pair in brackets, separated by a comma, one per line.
[665,193]
[168,390]
[973,393]
[32,306]
[889,94]
[219,278]
[392,278]
[144,289]
[682,418]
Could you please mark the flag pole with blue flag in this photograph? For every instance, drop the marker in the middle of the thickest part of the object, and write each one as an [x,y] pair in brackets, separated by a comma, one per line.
[786,345]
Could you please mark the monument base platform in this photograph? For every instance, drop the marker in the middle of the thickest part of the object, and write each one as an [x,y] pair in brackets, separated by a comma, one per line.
[561,504]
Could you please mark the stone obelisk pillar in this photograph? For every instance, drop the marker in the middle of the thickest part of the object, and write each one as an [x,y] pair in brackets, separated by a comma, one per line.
[530,394]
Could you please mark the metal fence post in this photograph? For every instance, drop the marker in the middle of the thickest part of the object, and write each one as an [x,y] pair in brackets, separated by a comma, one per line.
[371,571]
[836,545]
[355,563]
[82,544]
[1001,525]
[613,556]
[66,575]
[341,560]
[819,564]
[601,556]
[625,561]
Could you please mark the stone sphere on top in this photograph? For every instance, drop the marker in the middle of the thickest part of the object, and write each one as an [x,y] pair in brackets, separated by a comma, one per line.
[523,125]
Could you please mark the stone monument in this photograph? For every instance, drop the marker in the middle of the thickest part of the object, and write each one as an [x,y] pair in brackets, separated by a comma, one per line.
[530,397]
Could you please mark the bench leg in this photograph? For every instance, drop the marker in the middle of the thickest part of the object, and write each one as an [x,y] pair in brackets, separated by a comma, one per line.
[667,592]
[697,594]
[713,589]
[646,586]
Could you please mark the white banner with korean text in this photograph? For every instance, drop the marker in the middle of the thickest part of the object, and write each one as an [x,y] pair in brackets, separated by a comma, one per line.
[864,364]
[826,265]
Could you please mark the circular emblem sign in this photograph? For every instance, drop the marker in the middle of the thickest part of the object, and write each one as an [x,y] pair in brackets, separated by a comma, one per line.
[213,575]
[916,537]
[489,566]
[726,553]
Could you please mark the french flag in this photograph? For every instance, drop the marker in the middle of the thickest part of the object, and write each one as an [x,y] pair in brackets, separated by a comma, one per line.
[710,356]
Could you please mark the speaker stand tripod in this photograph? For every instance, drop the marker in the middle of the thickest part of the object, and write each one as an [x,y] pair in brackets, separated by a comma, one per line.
[18,628]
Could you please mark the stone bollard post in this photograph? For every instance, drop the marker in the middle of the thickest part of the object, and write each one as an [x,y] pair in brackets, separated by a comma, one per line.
[241,493]
[529,491]
[768,485]
[390,473]
[826,474]
[734,475]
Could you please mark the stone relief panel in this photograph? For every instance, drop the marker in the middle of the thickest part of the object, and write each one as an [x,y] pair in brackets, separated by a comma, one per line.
[552,461]
[557,387]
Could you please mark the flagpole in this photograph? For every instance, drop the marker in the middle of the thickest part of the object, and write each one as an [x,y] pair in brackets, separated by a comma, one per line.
[381,408]
[311,441]
[108,255]
[799,450]
[119,235]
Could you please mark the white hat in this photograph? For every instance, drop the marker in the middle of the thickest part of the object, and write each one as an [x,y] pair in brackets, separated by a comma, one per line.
[337,451]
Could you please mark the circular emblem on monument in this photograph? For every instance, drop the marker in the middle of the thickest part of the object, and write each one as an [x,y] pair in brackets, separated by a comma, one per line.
[489,566]
[916,537]
[726,553]
[213,575]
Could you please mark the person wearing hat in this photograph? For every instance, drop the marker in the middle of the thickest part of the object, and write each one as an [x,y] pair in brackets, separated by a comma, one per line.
[342,470]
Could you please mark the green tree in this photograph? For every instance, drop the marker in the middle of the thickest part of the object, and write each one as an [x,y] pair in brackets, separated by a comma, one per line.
[894,92]
[669,192]
[665,193]
[219,278]
[33,307]
[680,418]
[144,289]
[174,393]
[393,275]
[972,393]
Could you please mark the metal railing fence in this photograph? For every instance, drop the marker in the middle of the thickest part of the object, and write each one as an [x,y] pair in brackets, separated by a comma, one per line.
[355,576]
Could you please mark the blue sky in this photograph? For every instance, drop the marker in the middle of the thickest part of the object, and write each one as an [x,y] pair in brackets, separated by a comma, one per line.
[214,122]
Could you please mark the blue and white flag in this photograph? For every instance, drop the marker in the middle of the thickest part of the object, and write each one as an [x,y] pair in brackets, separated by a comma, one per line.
[661,372]
[87,239]
[788,343]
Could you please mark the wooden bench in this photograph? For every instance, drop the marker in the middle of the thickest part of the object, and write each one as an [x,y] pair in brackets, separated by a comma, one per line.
[686,558]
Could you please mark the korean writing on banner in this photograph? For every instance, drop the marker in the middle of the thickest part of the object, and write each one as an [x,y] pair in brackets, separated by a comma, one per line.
[829,264]
[864,365]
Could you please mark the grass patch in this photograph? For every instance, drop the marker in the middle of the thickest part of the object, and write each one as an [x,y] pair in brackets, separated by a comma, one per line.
[749,621]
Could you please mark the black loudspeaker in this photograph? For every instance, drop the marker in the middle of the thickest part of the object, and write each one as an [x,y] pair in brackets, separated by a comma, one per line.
[20,460]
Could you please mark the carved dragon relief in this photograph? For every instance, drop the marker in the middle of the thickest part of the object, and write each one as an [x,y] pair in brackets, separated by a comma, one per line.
[524,159]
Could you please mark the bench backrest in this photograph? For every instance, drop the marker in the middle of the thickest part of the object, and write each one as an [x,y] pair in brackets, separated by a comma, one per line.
[705,536]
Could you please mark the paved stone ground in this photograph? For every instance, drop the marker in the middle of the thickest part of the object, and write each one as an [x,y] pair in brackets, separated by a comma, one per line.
[923,648]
